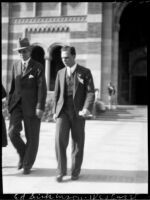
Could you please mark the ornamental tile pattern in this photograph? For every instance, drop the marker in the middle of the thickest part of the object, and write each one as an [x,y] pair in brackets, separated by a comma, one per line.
[33,20]
[47,29]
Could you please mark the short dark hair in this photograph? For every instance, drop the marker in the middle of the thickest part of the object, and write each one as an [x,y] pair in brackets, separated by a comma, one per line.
[70,48]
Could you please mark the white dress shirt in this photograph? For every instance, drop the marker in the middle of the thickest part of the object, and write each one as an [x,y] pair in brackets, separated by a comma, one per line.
[70,70]
[25,63]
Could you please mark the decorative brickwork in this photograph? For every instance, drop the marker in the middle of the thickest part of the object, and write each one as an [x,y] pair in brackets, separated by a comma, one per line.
[47,29]
[94,30]
[4,9]
[37,20]
[15,36]
[94,8]
[78,34]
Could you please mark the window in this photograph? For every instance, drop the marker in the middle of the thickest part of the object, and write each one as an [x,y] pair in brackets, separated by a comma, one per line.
[21,9]
[47,9]
[74,8]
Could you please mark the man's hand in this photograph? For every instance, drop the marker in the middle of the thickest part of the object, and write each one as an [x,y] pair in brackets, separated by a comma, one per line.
[39,113]
[84,113]
[54,117]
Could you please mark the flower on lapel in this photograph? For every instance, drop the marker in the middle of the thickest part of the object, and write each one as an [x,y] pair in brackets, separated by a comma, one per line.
[38,71]
[80,79]
[31,76]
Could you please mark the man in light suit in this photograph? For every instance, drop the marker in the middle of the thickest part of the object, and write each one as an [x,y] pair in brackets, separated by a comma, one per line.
[26,102]
[73,101]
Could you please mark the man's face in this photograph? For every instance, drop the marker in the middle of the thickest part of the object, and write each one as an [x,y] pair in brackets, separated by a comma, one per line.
[24,54]
[67,58]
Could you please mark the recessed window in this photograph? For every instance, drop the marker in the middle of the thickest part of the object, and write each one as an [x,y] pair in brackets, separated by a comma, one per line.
[47,9]
[74,8]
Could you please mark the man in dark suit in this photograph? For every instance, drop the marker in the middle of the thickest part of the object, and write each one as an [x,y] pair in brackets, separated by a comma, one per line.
[26,102]
[73,101]
[4,133]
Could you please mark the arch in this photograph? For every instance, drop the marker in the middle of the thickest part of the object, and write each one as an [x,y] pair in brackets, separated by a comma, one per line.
[50,48]
[132,38]
[118,9]
[38,54]
[55,63]
[40,45]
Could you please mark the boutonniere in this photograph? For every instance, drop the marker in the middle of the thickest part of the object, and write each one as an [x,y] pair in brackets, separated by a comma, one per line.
[80,79]
[38,71]
[31,76]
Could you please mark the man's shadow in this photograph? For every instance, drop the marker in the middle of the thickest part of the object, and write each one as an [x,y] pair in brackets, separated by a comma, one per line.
[93,175]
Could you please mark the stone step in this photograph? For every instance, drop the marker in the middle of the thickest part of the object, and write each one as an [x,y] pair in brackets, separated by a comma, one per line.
[130,113]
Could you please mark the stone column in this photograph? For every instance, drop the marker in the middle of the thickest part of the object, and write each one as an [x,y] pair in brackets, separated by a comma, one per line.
[5,65]
[115,49]
[106,51]
[47,71]
[34,9]
[60,8]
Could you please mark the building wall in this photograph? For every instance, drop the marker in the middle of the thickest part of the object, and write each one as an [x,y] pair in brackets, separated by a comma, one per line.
[93,28]
[4,33]
[63,24]
[106,69]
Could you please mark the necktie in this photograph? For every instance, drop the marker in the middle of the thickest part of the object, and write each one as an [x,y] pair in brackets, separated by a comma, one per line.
[24,68]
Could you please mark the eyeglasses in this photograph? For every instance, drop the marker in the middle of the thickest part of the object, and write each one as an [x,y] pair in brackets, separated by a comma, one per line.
[22,51]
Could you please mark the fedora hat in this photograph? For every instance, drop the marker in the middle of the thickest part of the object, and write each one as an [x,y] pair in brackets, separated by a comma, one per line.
[23,43]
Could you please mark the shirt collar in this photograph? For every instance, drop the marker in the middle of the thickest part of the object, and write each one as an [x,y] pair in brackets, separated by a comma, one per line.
[72,69]
[26,62]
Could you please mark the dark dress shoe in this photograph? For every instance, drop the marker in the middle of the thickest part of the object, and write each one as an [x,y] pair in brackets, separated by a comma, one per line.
[26,171]
[59,178]
[74,177]
[20,165]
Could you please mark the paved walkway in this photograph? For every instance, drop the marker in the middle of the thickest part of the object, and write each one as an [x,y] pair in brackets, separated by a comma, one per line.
[115,161]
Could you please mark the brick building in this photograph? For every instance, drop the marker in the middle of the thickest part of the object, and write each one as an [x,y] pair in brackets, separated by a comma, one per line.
[110,38]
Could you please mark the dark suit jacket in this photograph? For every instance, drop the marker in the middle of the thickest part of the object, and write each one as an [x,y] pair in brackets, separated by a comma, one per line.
[4,133]
[30,88]
[83,91]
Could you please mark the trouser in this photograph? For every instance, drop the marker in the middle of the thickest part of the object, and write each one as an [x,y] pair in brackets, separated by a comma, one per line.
[4,133]
[65,122]
[27,150]
[112,101]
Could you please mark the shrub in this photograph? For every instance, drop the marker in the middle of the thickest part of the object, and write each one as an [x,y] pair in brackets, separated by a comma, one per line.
[47,115]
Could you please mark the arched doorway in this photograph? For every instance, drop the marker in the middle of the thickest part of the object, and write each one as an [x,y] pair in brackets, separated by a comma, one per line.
[132,68]
[38,54]
[55,64]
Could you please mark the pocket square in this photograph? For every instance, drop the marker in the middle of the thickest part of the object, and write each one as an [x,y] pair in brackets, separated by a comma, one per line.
[31,76]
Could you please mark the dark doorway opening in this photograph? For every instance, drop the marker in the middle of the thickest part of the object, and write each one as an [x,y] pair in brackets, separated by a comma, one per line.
[133,39]
[139,90]
[55,64]
[38,55]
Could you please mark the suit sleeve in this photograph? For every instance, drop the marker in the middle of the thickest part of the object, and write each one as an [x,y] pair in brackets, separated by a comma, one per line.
[12,87]
[42,89]
[56,92]
[90,92]
[3,92]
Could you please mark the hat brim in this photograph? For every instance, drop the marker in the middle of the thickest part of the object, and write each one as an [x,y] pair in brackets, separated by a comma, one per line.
[17,49]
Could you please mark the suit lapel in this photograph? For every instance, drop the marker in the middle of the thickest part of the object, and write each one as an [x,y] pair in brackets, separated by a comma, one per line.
[19,68]
[29,68]
[62,79]
[76,81]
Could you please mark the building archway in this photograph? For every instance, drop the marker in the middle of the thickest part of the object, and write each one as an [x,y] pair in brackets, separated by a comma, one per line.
[55,64]
[38,54]
[132,66]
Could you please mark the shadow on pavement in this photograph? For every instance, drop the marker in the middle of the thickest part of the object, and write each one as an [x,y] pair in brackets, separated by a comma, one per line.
[35,172]
[93,175]
[8,167]
[116,176]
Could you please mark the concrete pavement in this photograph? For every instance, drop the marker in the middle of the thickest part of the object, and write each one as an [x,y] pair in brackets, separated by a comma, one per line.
[115,161]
